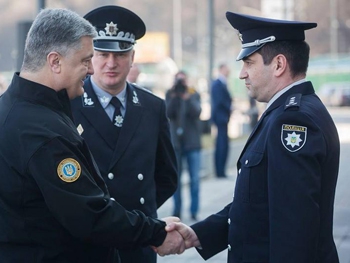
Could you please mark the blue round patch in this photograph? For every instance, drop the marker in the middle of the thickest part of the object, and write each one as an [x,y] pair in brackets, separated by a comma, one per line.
[69,170]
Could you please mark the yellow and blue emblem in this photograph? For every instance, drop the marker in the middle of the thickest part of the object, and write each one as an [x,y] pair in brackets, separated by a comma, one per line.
[69,170]
[293,137]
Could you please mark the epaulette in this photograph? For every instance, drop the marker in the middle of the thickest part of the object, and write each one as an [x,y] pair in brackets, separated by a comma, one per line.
[293,102]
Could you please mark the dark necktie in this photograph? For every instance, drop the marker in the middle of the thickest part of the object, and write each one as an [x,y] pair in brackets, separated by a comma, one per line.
[117,116]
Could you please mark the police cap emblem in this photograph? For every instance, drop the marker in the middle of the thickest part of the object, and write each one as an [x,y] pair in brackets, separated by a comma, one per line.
[293,137]
[68,170]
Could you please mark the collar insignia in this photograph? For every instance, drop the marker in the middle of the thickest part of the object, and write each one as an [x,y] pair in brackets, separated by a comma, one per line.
[104,99]
[80,129]
[87,101]
[135,99]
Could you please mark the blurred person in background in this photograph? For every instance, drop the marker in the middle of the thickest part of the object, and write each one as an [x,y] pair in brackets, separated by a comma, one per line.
[183,109]
[124,125]
[221,108]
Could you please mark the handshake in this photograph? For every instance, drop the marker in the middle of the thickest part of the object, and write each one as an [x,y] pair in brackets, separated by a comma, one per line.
[179,238]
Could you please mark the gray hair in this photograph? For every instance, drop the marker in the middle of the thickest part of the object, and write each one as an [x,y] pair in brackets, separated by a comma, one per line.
[58,30]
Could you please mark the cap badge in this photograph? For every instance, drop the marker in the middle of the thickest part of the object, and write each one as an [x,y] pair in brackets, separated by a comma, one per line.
[293,137]
[68,170]
[111,29]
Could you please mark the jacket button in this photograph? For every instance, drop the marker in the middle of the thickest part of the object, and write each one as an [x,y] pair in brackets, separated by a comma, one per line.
[246,161]
[142,200]
[229,247]
[110,176]
[140,177]
[112,199]
[239,171]
[229,221]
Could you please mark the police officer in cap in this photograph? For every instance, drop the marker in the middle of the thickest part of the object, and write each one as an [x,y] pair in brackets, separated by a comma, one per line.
[124,125]
[282,209]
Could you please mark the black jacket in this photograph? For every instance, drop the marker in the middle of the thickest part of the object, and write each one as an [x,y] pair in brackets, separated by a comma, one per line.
[55,206]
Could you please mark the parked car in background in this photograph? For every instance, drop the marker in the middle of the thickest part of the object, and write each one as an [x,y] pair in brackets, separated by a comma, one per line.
[335,93]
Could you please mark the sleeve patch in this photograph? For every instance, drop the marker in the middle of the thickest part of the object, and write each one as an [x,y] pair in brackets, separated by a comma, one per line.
[293,137]
[69,170]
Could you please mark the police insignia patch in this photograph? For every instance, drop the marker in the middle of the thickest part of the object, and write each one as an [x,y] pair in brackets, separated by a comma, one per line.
[68,170]
[293,137]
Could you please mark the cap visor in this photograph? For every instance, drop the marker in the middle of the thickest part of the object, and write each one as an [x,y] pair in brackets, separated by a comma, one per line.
[245,52]
[112,46]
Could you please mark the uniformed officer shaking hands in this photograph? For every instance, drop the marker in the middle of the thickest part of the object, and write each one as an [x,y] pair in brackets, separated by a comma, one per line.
[54,204]
[130,141]
[282,209]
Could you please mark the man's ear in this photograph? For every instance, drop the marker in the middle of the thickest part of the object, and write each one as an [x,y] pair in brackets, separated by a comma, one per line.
[54,61]
[280,64]
[132,57]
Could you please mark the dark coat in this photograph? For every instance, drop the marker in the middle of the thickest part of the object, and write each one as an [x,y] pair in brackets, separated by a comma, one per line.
[282,210]
[55,206]
[139,168]
[221,101]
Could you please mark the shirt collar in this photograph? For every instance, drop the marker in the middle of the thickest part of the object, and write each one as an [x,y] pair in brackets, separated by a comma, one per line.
[104,97]
[223,79]
[279,94]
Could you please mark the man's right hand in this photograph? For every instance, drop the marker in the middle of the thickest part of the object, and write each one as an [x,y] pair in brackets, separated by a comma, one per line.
[187,233]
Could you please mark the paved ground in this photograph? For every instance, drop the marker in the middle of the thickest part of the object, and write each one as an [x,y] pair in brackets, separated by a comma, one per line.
[216,193]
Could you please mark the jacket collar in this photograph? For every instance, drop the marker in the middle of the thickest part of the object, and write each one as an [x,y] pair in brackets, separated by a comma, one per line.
[41,94]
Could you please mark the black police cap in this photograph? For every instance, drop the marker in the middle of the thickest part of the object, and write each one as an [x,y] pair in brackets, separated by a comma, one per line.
[255,32]
[118,28]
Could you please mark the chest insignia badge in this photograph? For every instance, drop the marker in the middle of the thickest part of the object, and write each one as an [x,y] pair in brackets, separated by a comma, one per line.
[293,137]
[118,121]
[68,170]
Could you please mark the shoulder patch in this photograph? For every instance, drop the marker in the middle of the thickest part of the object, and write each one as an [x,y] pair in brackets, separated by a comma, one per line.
[68,170]
[293,101]
[293,137]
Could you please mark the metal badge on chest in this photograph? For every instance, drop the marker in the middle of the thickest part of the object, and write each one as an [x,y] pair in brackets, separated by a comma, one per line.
[117,116]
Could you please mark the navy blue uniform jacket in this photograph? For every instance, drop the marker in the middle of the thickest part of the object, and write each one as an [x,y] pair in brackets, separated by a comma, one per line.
[282,209]
[42,217]
[139,168]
